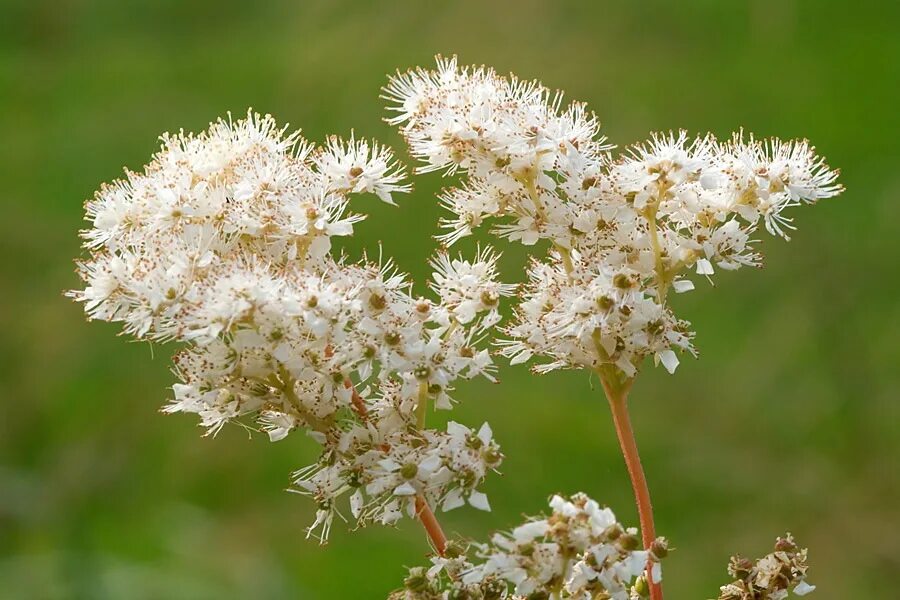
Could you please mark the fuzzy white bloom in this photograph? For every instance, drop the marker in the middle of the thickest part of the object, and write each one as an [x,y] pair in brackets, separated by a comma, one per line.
[223,243]
[579,551]
[384,470]
[469,288]
[355,167]
[660,212]
[507,135]
[593,317]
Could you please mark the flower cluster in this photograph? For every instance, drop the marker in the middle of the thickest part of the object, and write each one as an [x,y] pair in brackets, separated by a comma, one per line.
[592,318]
[623,230]
[223,243]
[579,551]
[772,577]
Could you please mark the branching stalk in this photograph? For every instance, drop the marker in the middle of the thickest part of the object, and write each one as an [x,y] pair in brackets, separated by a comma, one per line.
[429,521]
[423,511]
[285,383]
[663,275]
[564,253]
[422,405]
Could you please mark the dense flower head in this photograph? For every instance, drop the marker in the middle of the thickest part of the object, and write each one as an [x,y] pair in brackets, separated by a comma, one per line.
[658,214]
[773,577]
[384,471]
[223,243]
[506,134]
[590,317]
[578,551]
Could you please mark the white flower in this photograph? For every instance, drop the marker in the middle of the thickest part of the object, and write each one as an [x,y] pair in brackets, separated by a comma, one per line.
[355,167]
[223,243]
[469,288]
[659,212]
[589,318]
[577,552]
[803,588]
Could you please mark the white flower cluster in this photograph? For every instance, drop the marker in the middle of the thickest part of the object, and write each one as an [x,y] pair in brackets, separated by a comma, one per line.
[623,231]
[772,577]
[579,551]
[223,243]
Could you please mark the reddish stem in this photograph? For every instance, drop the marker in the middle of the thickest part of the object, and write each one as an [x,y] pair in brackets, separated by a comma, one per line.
[423,511]
[431,525]
[617,394]
[356,400]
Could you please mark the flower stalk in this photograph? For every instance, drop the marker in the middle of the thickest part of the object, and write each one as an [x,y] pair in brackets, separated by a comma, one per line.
[431,525]
[424,513]
[617,395]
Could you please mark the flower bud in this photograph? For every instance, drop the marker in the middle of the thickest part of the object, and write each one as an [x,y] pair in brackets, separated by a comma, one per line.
[659,549]
[628,542]
[641,587]
[785,544]
[605,303]
[489,298]
[454,549]
[417,580]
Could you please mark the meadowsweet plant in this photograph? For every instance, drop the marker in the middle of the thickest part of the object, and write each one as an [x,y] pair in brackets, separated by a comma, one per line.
[622,231]
[222,243]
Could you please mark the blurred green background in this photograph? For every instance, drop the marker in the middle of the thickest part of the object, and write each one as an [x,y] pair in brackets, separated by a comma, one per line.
[789,421]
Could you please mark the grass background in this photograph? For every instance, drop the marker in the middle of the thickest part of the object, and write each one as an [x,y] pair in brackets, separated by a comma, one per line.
[789,421]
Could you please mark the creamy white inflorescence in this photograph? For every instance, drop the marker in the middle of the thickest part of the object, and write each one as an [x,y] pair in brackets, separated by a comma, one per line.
[581,552]
[578,551]
[622,230]
[223,243]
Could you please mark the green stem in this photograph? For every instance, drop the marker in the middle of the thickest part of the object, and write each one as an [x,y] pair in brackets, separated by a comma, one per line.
[528,182]
[422,405]
[285,383]
[423,511]
[663,276]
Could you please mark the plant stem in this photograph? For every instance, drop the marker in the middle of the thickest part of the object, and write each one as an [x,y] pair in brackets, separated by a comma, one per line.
[431,525]
[285,383]
[423,511]
[564,253]
[422,405]
[663,275]
[617,394]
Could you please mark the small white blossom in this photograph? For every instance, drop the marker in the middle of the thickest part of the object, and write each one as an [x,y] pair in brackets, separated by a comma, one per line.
[356,167]
[469,288]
